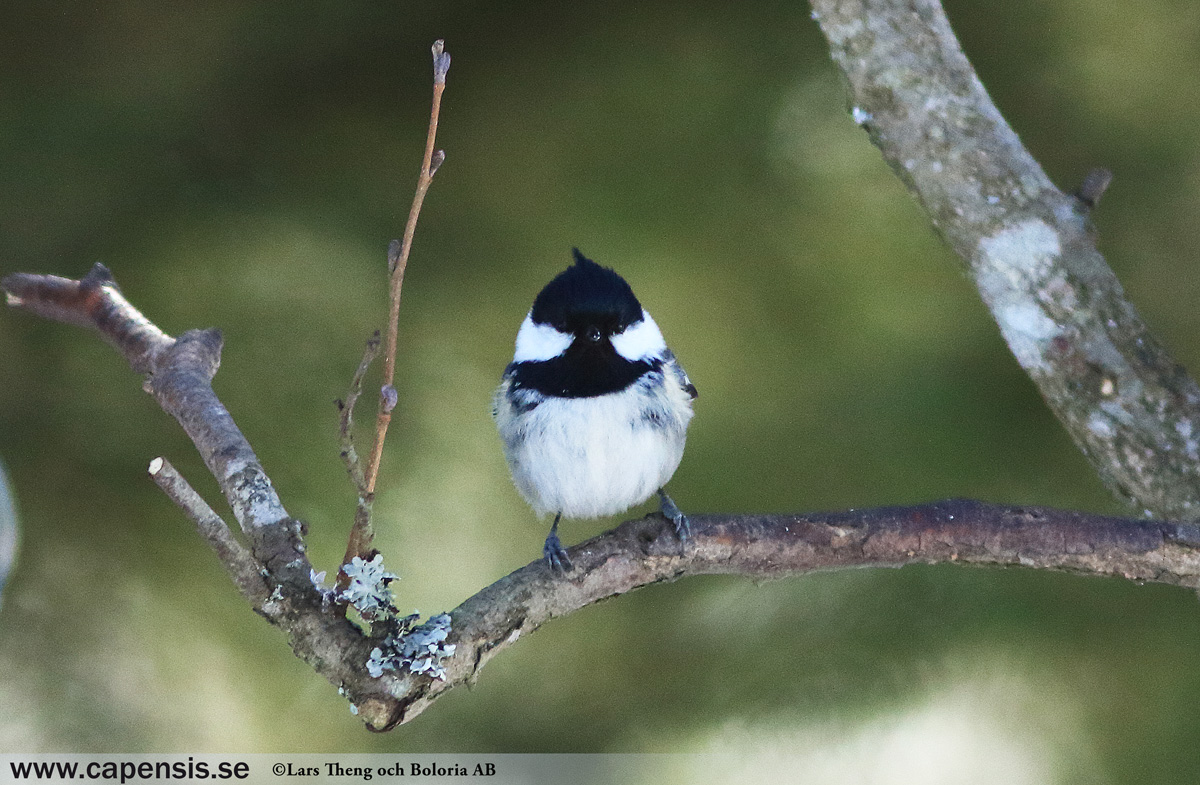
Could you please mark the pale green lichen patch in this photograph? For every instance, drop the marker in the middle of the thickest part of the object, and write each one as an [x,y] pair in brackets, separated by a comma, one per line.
[417,650]
[1024,252]
[1100,426]
[1027,330]
[1012,266]
[840,32]
[368,590]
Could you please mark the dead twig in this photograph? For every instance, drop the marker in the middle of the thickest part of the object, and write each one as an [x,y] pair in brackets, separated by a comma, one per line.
[245,571]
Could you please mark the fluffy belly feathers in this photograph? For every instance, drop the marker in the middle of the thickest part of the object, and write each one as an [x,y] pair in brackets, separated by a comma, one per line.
[591,457]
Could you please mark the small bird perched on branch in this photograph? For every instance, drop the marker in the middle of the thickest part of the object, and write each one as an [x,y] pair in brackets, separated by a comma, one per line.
[594,408]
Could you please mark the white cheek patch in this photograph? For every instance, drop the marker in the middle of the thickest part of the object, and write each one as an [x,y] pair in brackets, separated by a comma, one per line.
[640,341]
[539,342]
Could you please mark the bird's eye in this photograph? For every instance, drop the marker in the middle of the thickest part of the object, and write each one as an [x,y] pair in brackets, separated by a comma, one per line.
[593,334]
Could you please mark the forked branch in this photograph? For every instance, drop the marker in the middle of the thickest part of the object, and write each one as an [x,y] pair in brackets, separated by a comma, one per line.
[636,553]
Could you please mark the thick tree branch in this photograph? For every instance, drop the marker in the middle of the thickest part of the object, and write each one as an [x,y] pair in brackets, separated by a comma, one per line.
[1029,248]
[643,552]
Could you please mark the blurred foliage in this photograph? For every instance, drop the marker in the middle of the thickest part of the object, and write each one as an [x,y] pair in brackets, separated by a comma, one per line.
[243,165]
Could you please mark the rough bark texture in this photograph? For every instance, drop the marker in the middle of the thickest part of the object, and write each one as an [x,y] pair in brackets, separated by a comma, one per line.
[1028,246]
[646,551]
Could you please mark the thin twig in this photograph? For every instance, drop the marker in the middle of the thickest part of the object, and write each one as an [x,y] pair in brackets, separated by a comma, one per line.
[441,63]
[361,533]
[242,567]
[346,424]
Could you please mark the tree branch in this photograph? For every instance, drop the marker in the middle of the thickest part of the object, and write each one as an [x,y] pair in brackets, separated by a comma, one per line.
[1027,246]
[243,569]
[93,301]
[646,551]
[635,554]
[1030,249]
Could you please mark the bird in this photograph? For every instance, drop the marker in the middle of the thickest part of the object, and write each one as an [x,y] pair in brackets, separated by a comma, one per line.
[594,408]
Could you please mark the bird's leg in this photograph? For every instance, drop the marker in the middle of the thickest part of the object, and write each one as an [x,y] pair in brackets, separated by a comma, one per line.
[674,514]
[554,552]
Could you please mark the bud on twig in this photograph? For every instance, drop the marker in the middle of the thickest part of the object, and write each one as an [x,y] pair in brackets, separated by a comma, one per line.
[389,398]
[394,249]
[1094,186]
[441,61]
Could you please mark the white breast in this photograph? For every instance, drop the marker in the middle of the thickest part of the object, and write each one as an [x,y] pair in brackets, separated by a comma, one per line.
[590,457]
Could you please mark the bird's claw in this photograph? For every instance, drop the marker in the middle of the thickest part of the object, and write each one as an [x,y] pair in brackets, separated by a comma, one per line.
[555,554]
[671,512]
[683,527]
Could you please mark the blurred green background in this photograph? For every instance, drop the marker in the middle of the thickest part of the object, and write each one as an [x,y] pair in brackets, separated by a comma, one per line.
[244,165]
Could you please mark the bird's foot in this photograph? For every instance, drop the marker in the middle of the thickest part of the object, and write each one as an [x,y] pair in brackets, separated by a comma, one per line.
[554,552]
[672,512]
